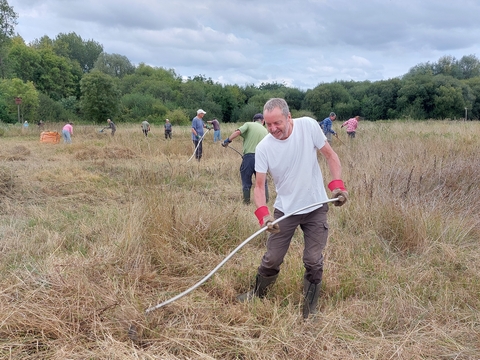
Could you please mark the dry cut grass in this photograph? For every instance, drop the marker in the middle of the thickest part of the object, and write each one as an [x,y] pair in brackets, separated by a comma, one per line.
[94,233]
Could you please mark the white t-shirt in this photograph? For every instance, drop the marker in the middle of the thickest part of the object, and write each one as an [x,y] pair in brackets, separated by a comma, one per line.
[294,167]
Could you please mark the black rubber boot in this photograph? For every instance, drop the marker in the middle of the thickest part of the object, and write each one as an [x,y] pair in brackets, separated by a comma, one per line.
[260,289]
[311,293]
[246,196]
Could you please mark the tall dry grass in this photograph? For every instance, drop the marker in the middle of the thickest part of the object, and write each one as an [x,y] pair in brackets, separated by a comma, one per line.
[93,233]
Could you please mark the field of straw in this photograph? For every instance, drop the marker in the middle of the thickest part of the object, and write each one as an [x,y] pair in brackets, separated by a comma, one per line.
[95,232]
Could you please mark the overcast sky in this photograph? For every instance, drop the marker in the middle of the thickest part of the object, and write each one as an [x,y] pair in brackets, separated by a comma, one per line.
[301,43]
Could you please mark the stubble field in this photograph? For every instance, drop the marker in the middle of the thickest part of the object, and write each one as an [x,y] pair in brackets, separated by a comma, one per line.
[95,232]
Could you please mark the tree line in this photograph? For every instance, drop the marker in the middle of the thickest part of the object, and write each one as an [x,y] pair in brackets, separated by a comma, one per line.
[69,78]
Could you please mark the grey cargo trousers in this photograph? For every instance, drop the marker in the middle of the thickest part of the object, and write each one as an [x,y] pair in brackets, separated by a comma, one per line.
[315,232]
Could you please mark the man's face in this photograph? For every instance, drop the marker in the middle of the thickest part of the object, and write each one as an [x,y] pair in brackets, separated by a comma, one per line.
[333,118]
[200,115]
[277,124]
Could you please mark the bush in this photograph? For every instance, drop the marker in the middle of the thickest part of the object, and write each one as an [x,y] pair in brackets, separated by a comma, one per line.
[4,115]
[51,110]
[178,117]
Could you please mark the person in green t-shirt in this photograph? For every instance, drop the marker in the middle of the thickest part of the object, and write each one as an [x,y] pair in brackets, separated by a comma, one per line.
[252,133]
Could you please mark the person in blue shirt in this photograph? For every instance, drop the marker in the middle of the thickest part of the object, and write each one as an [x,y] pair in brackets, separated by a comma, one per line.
[326,126]
[197,133]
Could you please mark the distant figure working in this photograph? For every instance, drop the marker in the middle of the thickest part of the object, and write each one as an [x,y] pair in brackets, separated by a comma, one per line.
[111,125]
[252,133]
[216,130]
[145,127]
[168,129]
[351,125]
[197,133]
[326,126]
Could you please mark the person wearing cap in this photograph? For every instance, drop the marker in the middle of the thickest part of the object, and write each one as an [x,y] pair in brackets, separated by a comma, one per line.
[252,133]
[326,126]
[351,125]
[216,129]
[290,154]
[197,133]
[168,129]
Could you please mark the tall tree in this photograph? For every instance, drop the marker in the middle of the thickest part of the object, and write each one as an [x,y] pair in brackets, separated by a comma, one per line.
[328,97]
[8,20]
[100,96]
[470,66]
[473,111]
[160,83]
[75,48]
[57,77]
[114,65]
[294,98]
[447,65]
[23,60]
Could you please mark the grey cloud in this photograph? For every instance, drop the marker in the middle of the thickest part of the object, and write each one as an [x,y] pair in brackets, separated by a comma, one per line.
[300,42]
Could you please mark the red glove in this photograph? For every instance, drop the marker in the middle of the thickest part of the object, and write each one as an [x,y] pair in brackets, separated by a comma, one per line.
[338,191]
[264,217]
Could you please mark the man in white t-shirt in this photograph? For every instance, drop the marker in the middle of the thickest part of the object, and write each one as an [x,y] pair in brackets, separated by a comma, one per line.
[289,153]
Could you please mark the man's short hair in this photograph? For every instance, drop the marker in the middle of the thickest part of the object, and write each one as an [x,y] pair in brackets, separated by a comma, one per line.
[258,117]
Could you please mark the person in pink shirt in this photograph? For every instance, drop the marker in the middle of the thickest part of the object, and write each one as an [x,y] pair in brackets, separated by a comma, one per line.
[67,133]
[351,125]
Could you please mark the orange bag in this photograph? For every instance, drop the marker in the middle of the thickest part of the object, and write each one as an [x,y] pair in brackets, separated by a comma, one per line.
[50,137]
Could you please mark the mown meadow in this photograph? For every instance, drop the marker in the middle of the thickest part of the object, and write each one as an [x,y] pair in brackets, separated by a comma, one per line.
[95,232]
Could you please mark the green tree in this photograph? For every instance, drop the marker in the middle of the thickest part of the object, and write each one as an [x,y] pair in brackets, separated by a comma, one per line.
[249,91]
[137,107]
[73,47]
[161,83]
[447,65]
[114,65]
[178,117]
[246,113]
[380,98]
[262,97]
[100,96]
[70,104]
[415,97]
[474,106]
[469,66]
[225,97]
[8,20]
[54,75]
[450,98]
[42,43]
[57,76]
[5,115]
[294,98]
[325,97]
[24,61]
[51,110]
[194,94]
[448,102]
[13,88]
[272,86]
[420,69]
